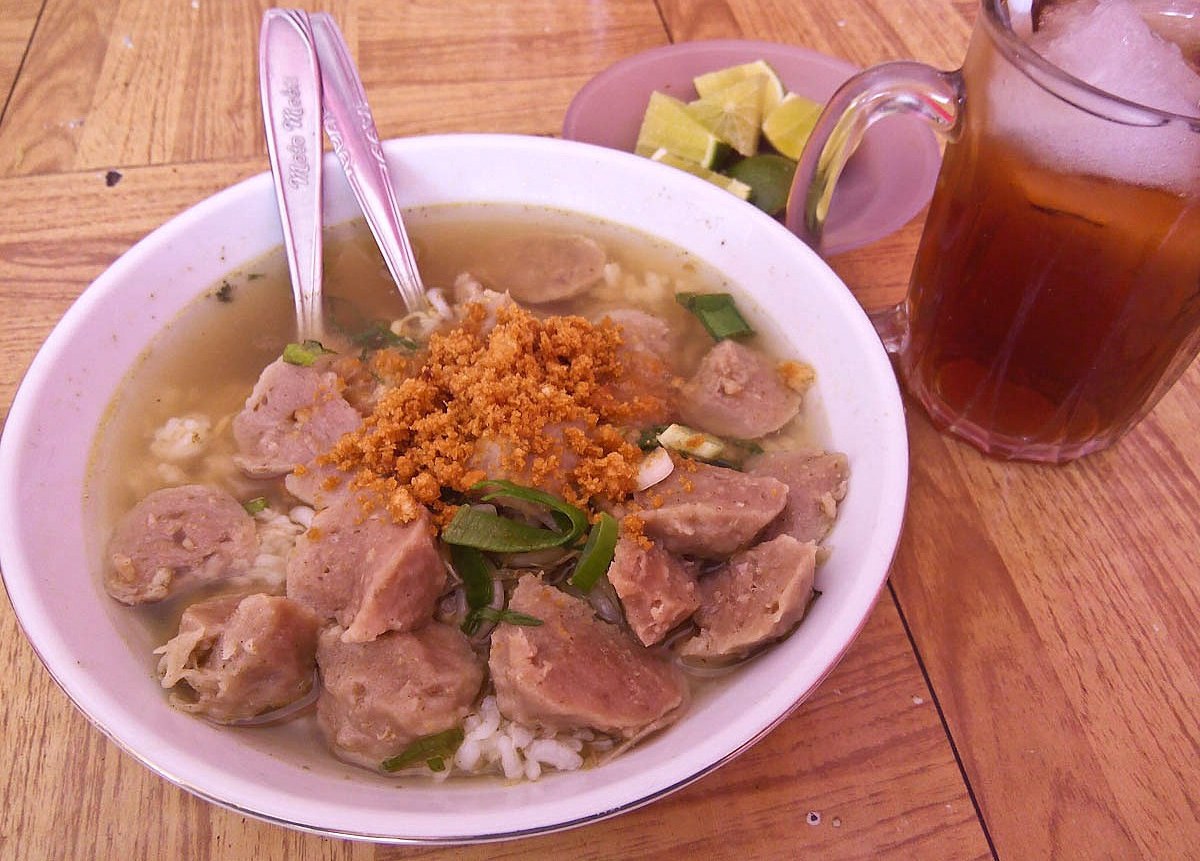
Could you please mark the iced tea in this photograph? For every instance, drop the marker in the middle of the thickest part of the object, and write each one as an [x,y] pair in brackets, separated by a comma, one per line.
[1048,309]
[1056,291]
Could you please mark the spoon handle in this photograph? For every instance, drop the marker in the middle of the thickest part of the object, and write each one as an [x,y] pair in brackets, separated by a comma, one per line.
[351,129]
[290,85]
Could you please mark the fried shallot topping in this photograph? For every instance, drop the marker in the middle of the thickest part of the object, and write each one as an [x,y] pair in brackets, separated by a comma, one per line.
[530,399]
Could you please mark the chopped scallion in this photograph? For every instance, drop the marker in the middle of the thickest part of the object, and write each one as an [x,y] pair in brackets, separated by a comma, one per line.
[379,335]
[571,520]
[476,573]
[483,530]
[597,554]
[304,354]
[512,617]
[255,505]
[429,749]
[717,312]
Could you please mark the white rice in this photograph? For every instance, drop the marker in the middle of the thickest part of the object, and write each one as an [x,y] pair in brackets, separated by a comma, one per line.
[277,534]
[650,291]
[182,438]
[494,744]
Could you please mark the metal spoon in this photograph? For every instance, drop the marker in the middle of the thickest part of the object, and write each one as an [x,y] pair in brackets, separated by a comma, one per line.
[290,85]
[355,139]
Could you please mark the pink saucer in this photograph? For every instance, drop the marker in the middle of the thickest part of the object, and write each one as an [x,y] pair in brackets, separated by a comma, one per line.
[887,181]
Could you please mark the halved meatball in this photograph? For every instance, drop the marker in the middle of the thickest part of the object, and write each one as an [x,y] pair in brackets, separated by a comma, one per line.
[378,697]
[366,572]
[737,392]
[237,657]
[293,414]
[177,538]
[575,671]
[657,589]
[755,598]
[708,511]
[816,483]
[544,267]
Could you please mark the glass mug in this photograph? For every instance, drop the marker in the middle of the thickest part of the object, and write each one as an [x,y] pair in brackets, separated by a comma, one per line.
[1056,290]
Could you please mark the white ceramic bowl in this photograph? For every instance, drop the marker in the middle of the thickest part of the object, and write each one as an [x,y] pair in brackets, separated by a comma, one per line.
[54,586]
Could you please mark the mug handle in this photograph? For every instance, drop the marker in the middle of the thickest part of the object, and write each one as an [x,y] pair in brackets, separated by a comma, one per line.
[877,92]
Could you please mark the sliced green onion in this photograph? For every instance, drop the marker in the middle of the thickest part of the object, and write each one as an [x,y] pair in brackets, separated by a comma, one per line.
[255,505]
[486,531]
[429,749]
[304,354]
[571,520]
[379,335]
[491,614]
[717,312]
[597,554]
[476,573]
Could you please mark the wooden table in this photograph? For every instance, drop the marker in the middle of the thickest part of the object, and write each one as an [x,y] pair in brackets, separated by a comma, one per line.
[1027,687]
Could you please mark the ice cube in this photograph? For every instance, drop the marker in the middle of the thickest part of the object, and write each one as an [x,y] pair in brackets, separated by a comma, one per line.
[1176,21]
[1109,45]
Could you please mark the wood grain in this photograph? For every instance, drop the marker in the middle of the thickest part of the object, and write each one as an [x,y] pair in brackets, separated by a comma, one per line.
[124,83]
[868,32]
[17,20]
[58,232]
[1091,568]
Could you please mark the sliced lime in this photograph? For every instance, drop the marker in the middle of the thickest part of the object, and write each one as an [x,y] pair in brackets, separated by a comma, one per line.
[733,114]
[733,186]
[714,82]
[789,125]
[668,125]
[770,179]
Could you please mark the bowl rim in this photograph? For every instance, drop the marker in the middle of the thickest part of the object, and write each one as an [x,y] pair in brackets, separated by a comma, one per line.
[39,627]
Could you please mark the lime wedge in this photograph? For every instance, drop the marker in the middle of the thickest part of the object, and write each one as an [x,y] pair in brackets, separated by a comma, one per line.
[769,177]
[733,186]
[733,114]
[721,79]
[789,125]
[668,125]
